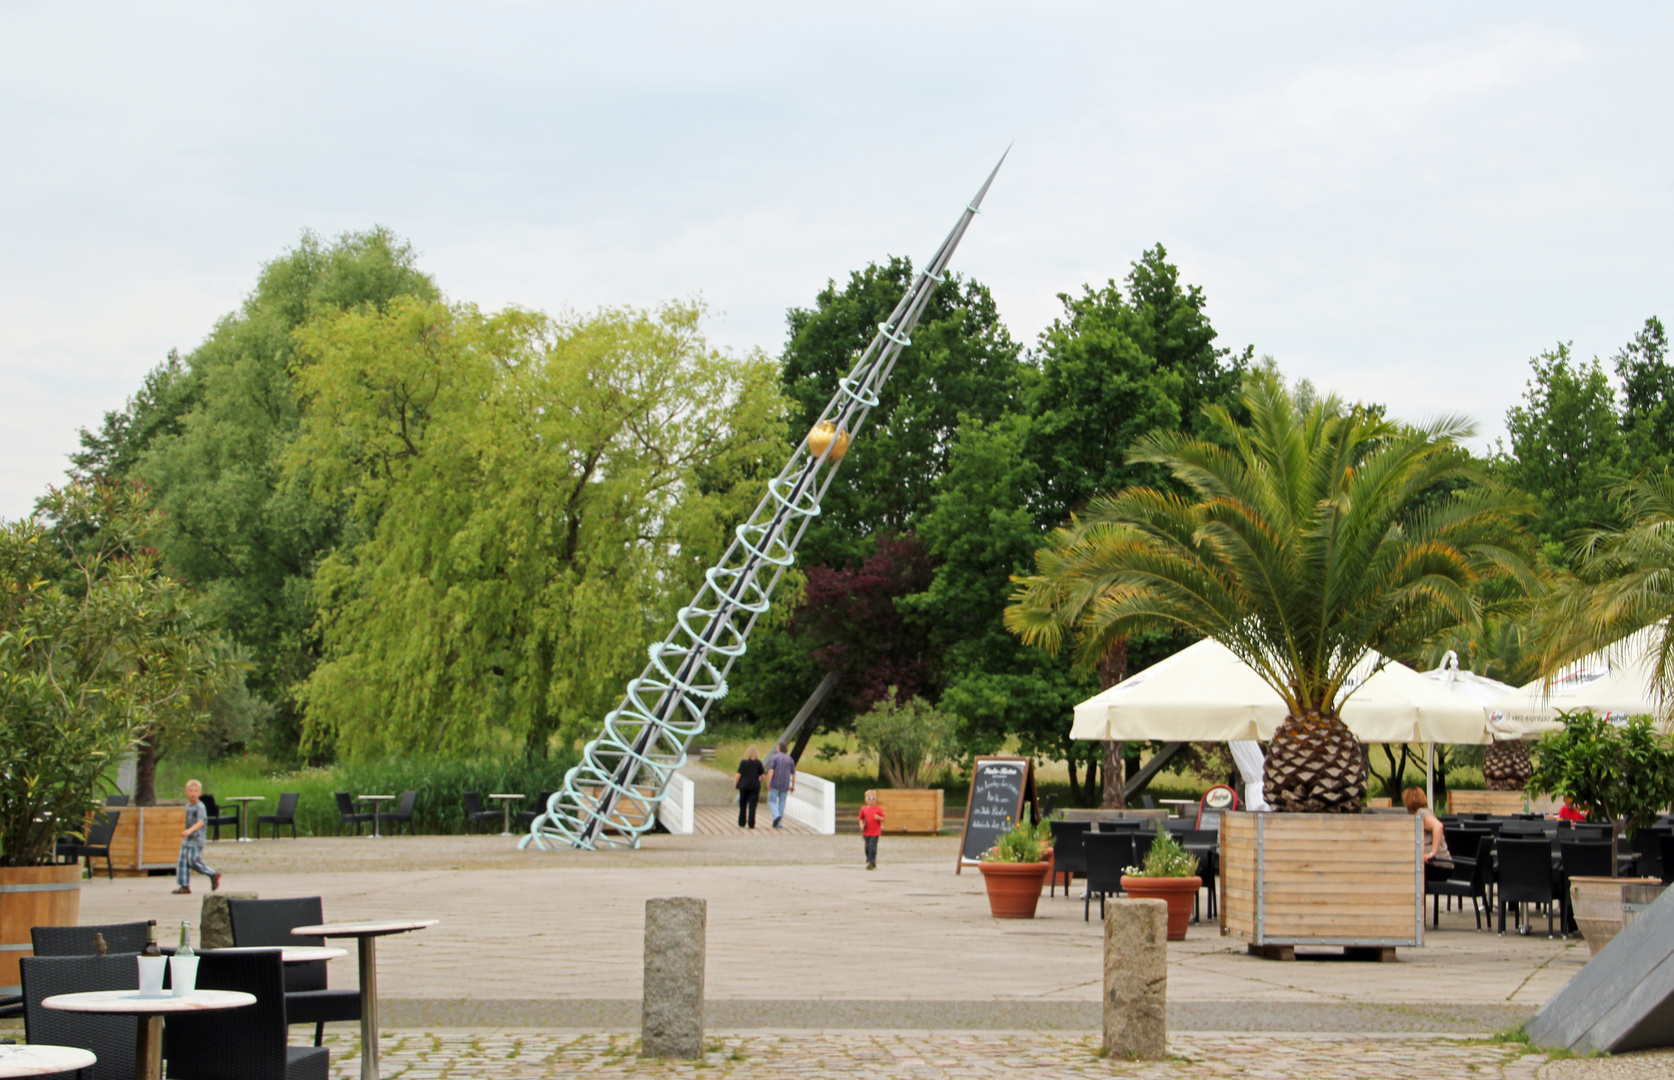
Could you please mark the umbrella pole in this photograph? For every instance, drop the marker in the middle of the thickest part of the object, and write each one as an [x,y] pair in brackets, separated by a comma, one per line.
[1430,775]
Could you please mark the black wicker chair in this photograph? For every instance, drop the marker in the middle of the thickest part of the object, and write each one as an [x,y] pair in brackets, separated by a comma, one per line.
[266,923]
[346,814]
[1469,878]
[111,1038]
[1526,877]
[240,1044]
[116,800]
[1107,855]
[1069,856]
[97,845]
[216,819]
[476,813]
[121,937]
[526,818]
[403,812]
[285,814]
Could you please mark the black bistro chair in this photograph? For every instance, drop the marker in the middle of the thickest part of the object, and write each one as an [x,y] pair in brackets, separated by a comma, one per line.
[121,937]
[111,1038]
[216,819]
[403,812]
[1468,878]
[346,813]
[526,818]
[97,844]
[1526,877]
[1647,853]
[1069,855]
[116,800]
[267,924]
[475,812]
[233,1044]
[1108,854]
[284,814]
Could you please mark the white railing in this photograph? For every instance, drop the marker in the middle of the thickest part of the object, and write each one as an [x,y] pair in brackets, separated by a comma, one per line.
[677,811]
[813,803]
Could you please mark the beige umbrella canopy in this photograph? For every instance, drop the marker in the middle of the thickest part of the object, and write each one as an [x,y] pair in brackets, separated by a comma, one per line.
[1615,683]
[1204,693]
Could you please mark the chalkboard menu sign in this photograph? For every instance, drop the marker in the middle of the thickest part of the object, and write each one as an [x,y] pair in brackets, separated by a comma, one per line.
[1000,788]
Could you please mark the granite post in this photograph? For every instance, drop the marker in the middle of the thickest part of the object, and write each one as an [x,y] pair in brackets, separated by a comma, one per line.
[214,924]
[671,1021]
[1136,979]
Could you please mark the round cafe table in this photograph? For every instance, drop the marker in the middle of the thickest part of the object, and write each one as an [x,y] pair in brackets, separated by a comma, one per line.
[43,1060]
[366,935]
[243,814]
[506,805]
[291,954]
[377,801]
[148,1047]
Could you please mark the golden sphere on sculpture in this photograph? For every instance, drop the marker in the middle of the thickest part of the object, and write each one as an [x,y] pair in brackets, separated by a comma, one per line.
[821,437]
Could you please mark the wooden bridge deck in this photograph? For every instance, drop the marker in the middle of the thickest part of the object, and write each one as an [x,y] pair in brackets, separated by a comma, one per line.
[723,821]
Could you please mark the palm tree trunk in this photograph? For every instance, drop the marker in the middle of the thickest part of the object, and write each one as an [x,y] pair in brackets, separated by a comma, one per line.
[1113,668]
[1315,765]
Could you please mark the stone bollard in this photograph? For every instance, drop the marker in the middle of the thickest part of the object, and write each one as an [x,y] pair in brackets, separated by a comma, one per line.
[1136,978]
[214,924]
[671,1019]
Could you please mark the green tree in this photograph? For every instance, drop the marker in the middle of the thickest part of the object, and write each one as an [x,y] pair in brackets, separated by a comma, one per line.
[211,442]
[534,499]
[1299,549]
[1567,446]
[1648,396]
[1620,774]
[909,738]
[99,651]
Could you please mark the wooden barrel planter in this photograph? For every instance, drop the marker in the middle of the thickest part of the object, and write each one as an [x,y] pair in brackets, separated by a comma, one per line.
[1596,905]
[33,896]
[911,810]
[1354,881]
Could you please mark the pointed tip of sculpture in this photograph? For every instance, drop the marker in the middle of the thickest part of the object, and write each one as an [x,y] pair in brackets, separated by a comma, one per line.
[976,203]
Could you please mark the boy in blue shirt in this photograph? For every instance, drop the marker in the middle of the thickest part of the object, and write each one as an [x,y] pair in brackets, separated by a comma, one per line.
[191,842]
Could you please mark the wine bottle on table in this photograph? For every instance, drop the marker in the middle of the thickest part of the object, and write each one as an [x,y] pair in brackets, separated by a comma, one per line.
[151,947]
[185,939]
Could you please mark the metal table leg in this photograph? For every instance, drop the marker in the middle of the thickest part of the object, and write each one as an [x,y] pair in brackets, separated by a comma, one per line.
[368,1008]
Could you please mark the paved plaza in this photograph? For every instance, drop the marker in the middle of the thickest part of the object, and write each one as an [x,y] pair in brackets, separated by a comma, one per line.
[819,968]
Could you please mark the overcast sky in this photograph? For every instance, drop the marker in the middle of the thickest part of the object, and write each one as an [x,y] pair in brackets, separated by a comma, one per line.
[1402,205]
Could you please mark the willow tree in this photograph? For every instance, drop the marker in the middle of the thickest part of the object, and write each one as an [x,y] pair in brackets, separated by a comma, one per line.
[1310,536]
[529,500]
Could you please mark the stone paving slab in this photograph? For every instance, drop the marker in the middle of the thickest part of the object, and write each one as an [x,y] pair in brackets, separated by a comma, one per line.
[933,1055]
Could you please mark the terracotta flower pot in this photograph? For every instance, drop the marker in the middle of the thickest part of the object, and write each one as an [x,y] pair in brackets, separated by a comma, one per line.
[1179,892]
[1013,888]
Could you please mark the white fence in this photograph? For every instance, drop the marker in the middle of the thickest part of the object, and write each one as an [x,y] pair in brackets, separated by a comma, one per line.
[813,803]
[678,809]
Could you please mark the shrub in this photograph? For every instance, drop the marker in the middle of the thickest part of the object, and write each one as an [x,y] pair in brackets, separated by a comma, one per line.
[910,738]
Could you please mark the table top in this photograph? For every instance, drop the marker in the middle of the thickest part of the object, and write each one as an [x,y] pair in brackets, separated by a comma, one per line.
[245,798]
[364,929]
[130,1001]
[43,1060]
[508,796]
[1178,802]
[374,798]
[293,954]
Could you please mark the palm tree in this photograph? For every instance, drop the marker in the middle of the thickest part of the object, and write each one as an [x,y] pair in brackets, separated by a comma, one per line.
[1623,582]
[1312,535]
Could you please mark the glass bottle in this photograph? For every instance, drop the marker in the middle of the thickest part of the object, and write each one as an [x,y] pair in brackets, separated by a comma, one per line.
[185,948]
[151,947]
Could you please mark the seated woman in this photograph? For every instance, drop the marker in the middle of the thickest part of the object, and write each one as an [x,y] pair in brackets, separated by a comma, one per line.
[1438,861]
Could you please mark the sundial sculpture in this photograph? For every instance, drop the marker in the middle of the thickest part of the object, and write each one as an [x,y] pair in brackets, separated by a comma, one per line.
[611,797]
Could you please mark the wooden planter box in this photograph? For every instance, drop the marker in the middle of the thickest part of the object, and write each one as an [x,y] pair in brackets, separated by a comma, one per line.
[146,838]
[911,810]
[1487,802]
[1349,880]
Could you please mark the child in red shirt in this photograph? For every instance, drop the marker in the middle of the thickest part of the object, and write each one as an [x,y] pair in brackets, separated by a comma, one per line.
[871,827]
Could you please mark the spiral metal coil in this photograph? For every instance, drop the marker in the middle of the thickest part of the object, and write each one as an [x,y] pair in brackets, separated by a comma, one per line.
[611,797]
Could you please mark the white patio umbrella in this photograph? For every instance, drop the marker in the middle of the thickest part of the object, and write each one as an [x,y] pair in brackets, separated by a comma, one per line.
[1616,683]
[1204,693]
[1478,688]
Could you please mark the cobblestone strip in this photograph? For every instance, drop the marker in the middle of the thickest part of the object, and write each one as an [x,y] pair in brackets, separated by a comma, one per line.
[935,1055]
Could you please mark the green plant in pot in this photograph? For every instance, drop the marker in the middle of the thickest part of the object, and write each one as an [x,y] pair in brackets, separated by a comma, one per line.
[1169,873]
[1013,871]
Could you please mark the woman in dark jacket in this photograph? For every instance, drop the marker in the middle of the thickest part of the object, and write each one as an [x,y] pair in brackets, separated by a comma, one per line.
[748,782]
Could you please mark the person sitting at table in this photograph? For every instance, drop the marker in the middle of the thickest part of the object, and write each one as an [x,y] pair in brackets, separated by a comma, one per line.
[1438,861]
